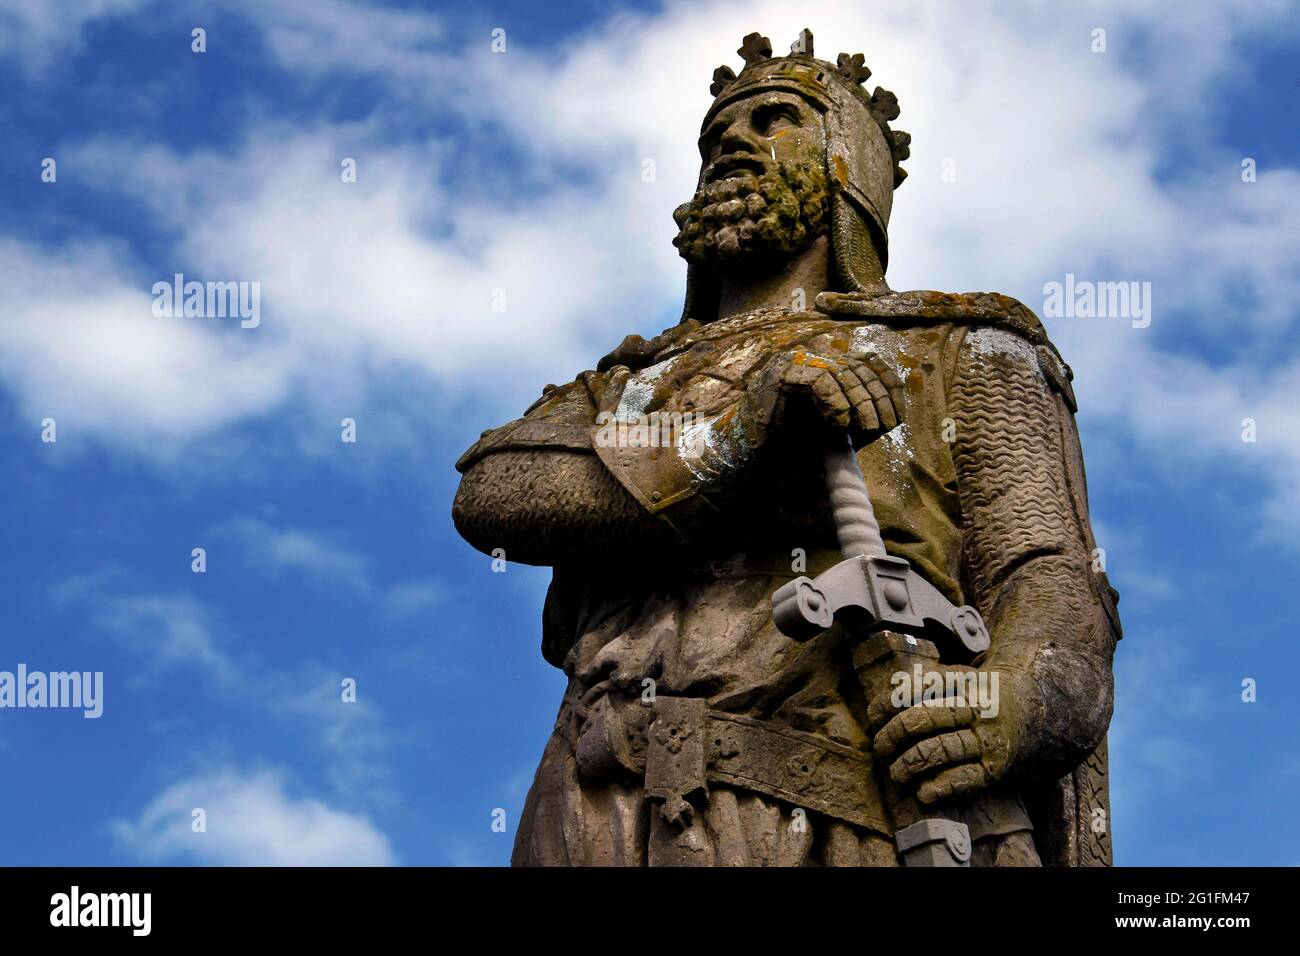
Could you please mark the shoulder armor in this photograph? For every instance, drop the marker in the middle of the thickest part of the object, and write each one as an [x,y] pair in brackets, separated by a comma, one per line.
[960,308]
[561,419]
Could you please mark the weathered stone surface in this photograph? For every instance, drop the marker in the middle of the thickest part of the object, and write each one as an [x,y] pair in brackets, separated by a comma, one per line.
[681,483]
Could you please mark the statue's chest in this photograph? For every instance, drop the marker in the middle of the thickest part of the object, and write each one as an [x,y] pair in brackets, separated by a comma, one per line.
[710,375]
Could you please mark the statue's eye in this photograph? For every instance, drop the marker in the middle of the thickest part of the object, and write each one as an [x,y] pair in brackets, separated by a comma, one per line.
[770,119]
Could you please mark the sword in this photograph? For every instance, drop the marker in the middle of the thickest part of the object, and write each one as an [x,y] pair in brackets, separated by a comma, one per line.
[903,620]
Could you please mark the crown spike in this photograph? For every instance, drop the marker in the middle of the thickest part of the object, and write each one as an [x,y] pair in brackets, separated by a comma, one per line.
[755,48]
[723,77]
[902,144]
[852,68]
[885,104]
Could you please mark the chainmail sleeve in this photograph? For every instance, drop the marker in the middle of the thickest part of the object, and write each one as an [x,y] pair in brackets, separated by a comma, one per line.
[1028,549]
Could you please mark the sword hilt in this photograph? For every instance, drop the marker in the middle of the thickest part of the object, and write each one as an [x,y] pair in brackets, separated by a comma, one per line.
[855,518]
[802,610]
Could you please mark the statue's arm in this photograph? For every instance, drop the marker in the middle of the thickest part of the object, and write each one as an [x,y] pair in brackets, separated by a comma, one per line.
[1029,558]
[565,484]
[536,489]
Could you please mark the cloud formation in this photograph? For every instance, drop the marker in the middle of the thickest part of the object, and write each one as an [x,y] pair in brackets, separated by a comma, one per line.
[311,555]
[398,273]
[252,819]
[35,32]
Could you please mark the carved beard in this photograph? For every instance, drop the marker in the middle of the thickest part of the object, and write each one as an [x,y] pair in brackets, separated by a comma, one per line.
[753,220]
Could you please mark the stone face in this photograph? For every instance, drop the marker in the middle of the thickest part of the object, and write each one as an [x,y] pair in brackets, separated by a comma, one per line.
[683,482]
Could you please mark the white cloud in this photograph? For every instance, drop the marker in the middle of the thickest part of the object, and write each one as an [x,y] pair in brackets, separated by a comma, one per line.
[36,31]
[252,820]
[163,630]
[409,598]
[352,736]
[323,35]
[79,343]
[303,552]
[317,558]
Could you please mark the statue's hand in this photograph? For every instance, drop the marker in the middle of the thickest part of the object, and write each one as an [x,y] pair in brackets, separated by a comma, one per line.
[952,747]
[855,392]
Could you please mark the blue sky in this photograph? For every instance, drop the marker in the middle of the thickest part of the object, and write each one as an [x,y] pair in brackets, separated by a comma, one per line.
[520,173]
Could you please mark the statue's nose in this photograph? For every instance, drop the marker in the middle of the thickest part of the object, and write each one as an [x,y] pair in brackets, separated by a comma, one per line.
[740,137]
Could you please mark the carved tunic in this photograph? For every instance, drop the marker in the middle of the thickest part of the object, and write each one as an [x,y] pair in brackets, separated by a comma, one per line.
[665,567]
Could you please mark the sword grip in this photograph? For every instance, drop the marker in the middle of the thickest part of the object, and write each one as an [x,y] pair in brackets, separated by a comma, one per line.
[855,519]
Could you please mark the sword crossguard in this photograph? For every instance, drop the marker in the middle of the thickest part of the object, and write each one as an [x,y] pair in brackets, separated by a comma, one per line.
[870,592]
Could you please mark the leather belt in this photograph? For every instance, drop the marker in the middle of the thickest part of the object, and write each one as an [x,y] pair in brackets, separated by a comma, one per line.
[687,746]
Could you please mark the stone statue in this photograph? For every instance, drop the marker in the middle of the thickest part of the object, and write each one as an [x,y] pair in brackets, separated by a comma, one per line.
[939,692]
